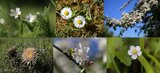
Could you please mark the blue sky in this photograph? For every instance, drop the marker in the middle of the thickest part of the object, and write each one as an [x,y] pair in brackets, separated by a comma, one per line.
[111,9]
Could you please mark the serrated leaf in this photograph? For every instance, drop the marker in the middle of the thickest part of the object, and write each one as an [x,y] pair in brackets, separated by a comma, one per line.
[124,58]
[113,44]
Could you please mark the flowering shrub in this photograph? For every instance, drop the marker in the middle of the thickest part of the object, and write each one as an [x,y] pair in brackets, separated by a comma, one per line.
[129,19]
[144,13]
[79,18]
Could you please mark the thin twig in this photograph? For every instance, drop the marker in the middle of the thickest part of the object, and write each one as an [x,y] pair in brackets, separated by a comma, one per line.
[68,56]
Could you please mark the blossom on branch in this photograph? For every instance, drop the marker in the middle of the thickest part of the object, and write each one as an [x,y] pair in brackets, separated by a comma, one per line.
[129,19]
[81,54]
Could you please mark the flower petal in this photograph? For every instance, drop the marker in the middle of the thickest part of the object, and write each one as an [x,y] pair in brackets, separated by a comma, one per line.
[132,47]
[139,53]
[138,48]
[17,9]
[12,11]
[130,52]
[134,56]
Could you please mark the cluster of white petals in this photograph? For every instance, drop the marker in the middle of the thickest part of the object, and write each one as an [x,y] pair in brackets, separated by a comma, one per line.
[15,13]
[31,18]
[134,17]
[81,54]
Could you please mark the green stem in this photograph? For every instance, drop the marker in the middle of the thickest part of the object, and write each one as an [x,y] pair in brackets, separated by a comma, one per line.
[142,44]
[21,27]
[145,64]
[116,67]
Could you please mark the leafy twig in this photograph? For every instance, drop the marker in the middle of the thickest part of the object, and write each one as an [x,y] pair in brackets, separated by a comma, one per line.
[69,57]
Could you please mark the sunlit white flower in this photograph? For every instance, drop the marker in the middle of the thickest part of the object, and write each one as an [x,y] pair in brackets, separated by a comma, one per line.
[134,52]
[15,13]
[31,18]
[81,54]
[66,13]
[79,21]
[2,21]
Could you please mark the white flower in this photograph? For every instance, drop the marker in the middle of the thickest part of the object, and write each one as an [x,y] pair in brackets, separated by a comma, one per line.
[134,52]
[79,21]
[31,18]
[81,54]
[66,13]
[15,12]
[2,21]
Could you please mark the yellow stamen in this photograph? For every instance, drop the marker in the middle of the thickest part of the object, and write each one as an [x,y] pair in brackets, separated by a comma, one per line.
[30,54]
[66,13]
[79,21]
[134,51]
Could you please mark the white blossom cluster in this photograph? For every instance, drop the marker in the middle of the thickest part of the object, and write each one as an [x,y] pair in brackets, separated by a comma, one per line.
[129,19]
[81,54]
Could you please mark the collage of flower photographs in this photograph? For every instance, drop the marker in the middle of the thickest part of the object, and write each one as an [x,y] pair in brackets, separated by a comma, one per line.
[79,36]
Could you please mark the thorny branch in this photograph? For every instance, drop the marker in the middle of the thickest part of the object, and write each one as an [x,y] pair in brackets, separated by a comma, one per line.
[69,57]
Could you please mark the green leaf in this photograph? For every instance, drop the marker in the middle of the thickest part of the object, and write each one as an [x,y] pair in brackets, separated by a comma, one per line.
[113,44]
[123,56]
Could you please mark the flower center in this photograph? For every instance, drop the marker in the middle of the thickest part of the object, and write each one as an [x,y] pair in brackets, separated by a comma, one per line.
[134,51]
[79,21]
[30,54]
[66,13]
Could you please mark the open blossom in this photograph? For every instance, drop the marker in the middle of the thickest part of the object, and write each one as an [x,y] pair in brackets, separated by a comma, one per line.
[79,21]
[15,13]
[31,18]
[66,13]
[29,56]
[81,54]
[134,52]
[2,21]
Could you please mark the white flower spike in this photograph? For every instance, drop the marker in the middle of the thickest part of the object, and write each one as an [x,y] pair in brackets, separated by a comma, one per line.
[134,52]
[2,21]
[15,13]
[66,13]
[31,18]
[79,22]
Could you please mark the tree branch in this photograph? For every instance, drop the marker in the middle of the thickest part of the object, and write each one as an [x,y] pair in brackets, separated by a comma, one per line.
[69,57]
